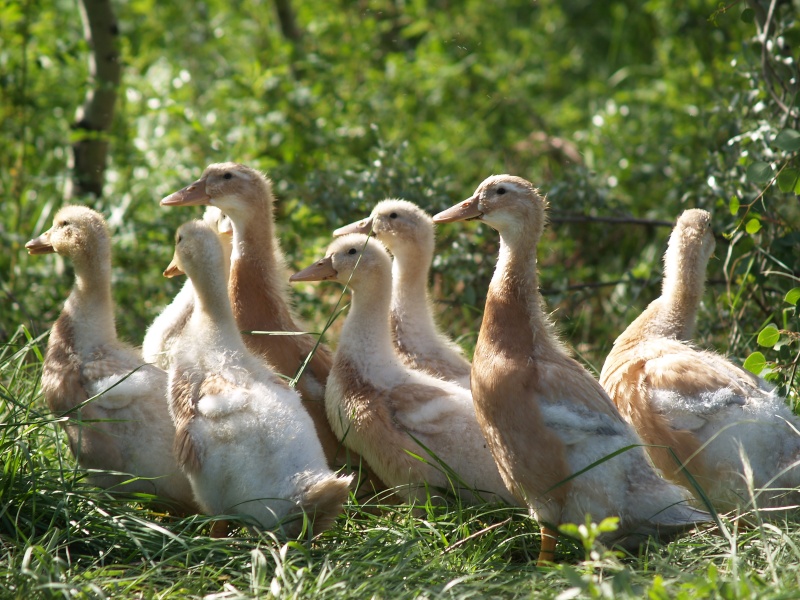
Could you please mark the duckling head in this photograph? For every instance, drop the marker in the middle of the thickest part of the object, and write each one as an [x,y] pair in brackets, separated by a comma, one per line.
[509,204]
[78,232]
[353,259]
[401,226]
[692,238]
[231,187]
[198,252]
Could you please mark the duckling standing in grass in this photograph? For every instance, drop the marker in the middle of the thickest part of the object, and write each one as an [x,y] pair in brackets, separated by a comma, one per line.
[545,417]
[407,231]
[712,413]
[386,411]
[259,293]
[243,437]
[167,326]
[118,422]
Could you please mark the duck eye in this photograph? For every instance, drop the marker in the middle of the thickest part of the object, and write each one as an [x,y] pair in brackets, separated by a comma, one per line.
[393,216]
[501,191]
[227,176]
[352,251]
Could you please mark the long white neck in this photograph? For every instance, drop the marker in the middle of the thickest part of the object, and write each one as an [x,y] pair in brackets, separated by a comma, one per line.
[366,336]
[212,320]
[90,304]
[411,303]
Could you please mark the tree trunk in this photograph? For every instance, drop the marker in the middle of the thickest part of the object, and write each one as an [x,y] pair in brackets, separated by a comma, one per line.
[93,119]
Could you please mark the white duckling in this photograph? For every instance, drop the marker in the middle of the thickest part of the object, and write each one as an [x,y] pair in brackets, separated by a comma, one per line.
[118,422]
[386,411]
[407,232]
[258,289]
[711,412]
[545,417]
[167,326]
[243,437]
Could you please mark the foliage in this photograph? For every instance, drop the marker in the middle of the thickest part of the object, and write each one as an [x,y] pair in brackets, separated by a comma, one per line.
[619,109]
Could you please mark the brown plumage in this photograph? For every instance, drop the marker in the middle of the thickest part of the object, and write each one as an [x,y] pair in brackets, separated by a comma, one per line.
[702,406]
[117,419]
[545,417]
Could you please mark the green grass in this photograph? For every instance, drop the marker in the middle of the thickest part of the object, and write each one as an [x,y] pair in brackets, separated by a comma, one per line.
[61,538]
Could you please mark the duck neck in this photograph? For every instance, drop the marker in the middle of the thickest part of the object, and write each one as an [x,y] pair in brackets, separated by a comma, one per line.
[212,319]
[681,294]
[514,311]
[90,305]
[367,332]
[411,303]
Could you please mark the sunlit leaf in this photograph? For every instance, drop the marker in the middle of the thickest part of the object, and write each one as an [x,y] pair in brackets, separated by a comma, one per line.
[753,226]
[769,336]
[792,296]
[733,205]
[755,363]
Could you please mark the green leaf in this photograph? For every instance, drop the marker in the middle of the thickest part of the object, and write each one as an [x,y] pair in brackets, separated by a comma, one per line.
[769,336]
[792,296]
[753,226]
[788,140]
[788,179]
[733,205]
[748,15]
[755,363]
[759,172]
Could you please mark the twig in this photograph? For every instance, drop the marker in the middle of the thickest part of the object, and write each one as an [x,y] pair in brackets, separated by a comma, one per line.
[472,536]
[566,218]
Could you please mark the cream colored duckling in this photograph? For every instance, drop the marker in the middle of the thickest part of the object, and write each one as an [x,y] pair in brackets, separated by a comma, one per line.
[407,231]
[243,437]
[258,289]
[167,326]
[379,406]
[118,418]
[545,417]
[707,409]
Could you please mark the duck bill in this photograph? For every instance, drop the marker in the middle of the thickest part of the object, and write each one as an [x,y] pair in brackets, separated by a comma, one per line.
[40,245]
[463,211]
[173,270]
[192,195]
[321,271]
[364,226]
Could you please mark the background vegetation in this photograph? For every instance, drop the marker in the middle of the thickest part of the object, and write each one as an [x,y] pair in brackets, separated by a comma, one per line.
[625,112]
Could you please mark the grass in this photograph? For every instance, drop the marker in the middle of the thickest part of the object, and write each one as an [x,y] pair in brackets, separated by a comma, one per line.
[61,538]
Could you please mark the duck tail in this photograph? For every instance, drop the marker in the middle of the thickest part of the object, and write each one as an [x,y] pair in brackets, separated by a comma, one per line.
[322,500]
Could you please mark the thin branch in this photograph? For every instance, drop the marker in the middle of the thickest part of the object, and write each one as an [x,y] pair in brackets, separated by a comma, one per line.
[574,218]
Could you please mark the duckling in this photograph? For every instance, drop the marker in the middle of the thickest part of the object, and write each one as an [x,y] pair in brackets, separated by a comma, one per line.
[386,411]
[407,232]
[118,422]
[243,437]
[167,325]
[258,291]
[545,417]
[711,412]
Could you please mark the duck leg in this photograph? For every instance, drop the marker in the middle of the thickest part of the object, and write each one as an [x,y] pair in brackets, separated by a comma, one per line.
[547,553]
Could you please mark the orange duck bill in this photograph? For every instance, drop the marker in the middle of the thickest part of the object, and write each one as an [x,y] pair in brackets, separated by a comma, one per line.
[463,211]
[173,270]
[192,195]
[320,271]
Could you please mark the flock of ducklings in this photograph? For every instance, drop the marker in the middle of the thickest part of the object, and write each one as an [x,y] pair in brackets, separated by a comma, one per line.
[203,416]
